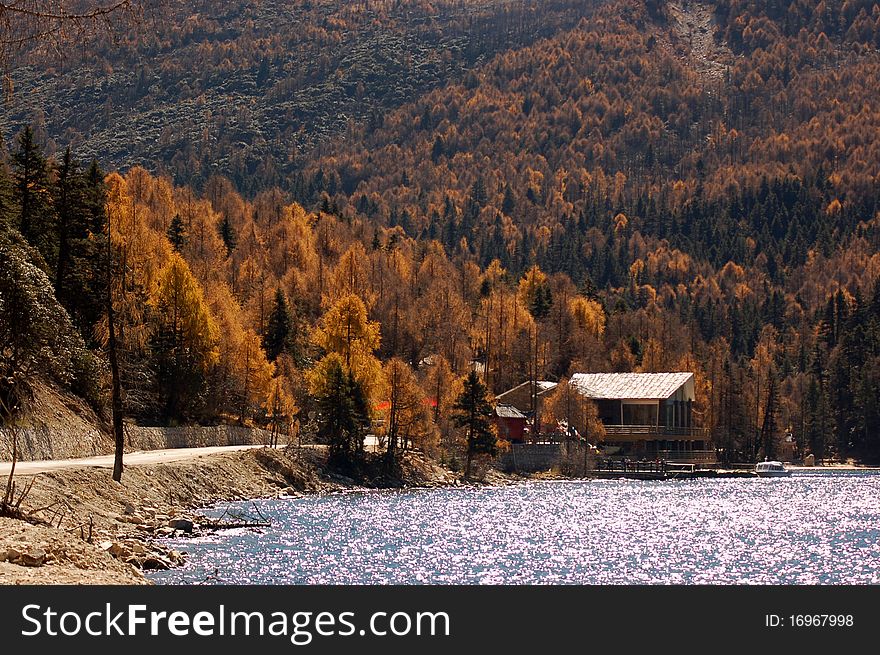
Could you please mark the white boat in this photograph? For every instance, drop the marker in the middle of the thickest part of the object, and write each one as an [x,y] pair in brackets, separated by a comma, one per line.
[771,470]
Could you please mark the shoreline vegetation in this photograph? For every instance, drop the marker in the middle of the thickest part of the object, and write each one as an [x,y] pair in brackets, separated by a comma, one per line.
[95,531]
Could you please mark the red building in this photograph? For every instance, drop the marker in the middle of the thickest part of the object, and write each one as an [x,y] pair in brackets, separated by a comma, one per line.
[510,422]
[528,398]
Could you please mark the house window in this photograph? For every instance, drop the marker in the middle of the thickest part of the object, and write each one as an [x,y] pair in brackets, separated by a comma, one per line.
[639,414]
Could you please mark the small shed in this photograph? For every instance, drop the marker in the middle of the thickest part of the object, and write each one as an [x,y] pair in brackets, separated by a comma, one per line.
[510,423]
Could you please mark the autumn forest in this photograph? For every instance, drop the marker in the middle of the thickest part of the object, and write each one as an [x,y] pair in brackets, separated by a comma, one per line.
[635,186]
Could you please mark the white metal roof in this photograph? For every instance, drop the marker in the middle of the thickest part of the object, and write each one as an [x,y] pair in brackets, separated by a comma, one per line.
[632,386]
[543,386]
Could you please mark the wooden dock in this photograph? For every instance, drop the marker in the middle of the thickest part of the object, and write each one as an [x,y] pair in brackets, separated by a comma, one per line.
[660,470]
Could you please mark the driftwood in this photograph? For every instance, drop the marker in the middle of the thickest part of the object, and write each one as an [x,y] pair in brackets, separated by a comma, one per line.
[238,521]
[231,525]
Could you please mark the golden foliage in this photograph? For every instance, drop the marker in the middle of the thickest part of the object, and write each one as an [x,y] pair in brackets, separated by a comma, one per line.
[567,407]
[408,421]
[346,332]
[588,315]
[182,311]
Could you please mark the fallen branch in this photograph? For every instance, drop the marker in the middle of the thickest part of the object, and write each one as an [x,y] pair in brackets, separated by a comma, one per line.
[240,520]
[259,513]
[231,525]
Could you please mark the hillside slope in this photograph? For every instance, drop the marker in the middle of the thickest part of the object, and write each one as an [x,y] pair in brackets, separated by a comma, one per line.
[245,88]
[637,113]
[601,199]
[56,424]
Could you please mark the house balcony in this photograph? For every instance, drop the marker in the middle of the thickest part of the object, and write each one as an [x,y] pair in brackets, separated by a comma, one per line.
[661,443]
[629,433]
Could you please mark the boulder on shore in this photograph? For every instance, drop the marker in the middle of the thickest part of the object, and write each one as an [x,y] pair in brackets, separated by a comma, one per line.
[184,525]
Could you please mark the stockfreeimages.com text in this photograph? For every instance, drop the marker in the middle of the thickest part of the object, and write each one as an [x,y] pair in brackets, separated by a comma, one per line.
[300,627]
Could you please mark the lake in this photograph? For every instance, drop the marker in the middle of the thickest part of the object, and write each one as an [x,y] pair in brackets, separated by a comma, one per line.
[812,528]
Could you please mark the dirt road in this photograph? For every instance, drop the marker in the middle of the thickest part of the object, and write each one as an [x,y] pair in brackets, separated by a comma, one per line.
[137,458]
[131,459]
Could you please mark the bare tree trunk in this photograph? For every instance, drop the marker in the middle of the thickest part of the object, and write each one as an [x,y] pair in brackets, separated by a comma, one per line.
[391,446]
[9,496]
[488,349]
[247,375]
[470,447]
[534,391]
[116,392]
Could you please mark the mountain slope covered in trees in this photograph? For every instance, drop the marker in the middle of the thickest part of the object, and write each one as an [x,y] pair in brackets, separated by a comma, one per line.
[603,199]
[247,88]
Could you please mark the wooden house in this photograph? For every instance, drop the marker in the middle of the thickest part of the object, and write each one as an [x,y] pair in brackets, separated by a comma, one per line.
[648,415]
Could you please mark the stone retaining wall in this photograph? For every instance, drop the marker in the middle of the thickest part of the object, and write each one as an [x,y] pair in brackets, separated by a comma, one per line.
[197,436]
[47,443]
[529,458]
[568,459]
[39,443]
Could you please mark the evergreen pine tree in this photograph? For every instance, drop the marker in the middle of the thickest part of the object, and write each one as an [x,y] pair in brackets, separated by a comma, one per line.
[334,409]
[476,201]
[68,205]
[359,418]
[478,196]
[36,221]
[426,122]
[227,234]
[508,205]
[343,416]
[588,288]
[405,222]
[770,427]
[451,229]
[814,436]
[438,149]
[177,232]
[542,302]
[88,277]
[474,413]
[279,328]
[432,232]
[80,271]
[263,72]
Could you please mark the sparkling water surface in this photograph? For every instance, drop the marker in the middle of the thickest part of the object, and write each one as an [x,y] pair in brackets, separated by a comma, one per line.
[811,528]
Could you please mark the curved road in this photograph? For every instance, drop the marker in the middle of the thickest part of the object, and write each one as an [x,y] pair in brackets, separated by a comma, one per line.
[131,459]
[140,457]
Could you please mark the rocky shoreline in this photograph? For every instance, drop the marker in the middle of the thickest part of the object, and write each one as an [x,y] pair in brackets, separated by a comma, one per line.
[88,529]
